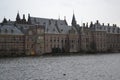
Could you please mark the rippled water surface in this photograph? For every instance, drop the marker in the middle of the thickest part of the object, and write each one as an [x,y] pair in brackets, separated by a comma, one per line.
[92,67]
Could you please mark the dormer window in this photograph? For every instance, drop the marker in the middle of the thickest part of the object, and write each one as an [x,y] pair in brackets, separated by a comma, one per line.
[49,22]
[44,23]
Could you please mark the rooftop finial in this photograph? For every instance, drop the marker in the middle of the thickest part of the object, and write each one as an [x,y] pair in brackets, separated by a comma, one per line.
[73,11]
[64,17]
[18,11]
[59,17]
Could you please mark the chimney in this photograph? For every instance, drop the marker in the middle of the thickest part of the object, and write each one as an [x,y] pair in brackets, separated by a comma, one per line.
[87,25]
[113,25]
[83,24]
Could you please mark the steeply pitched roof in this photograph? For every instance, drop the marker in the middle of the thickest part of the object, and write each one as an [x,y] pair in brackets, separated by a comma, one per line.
[10,30]
[53,26]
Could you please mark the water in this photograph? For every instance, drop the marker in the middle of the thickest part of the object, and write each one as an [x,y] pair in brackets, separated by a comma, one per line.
[92,67]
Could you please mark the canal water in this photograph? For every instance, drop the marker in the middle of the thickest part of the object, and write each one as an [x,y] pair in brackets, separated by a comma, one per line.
[86,67]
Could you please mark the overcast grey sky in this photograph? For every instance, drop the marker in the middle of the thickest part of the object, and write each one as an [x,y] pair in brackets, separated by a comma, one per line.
[107,11]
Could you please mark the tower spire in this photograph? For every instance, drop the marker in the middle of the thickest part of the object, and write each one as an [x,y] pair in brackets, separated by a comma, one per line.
[73,20]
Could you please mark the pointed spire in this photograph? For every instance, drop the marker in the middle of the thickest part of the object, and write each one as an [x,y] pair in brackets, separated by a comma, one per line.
[18,17]
[59,17]
[64,17]
[73,20]
[4,20]
[65,20]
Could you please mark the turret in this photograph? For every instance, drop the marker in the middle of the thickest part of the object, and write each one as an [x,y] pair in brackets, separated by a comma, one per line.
[29,20]
[4,20]
[91,24]
[97,21]
[18,18]
[23,20]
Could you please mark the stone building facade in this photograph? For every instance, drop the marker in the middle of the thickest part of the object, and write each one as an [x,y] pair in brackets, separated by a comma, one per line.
[104,38]
[35,40]
[42,35]
[12,41]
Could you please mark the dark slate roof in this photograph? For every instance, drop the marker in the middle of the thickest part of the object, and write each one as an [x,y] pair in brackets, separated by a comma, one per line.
[10,30]
[53,26]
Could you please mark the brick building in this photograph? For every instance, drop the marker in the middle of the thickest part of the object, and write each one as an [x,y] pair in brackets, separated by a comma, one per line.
[41,35]
[12,41]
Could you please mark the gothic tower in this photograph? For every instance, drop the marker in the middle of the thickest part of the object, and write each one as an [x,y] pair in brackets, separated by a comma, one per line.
[29,20]
[23,20]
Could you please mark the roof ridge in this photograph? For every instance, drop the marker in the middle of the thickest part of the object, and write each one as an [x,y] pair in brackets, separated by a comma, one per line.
[47,18]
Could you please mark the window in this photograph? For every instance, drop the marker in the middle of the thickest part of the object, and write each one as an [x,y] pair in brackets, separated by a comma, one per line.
[58,46]
[61,29]
[65,41]
[40,37]
[50,40]
[62,41]
[30,32]
[54,40]
[38,31]
[72,41]
[72,46]
[58,40]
